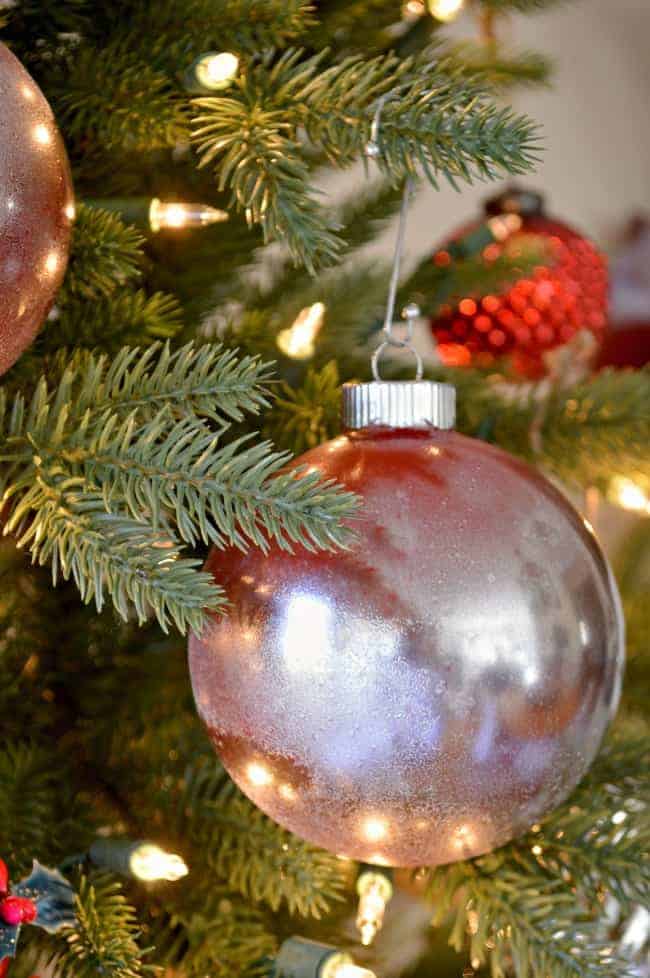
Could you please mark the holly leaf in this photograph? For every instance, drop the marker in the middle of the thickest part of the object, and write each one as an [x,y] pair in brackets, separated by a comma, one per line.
[52,894]
[8,940]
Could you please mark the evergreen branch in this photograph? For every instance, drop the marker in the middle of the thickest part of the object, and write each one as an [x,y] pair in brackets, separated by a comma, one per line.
[104,938]
[255,856]
[30,803]
[108,553]
[434,121]
[306,416]
[114,321]
[104,253]
[499,70]
[516,902]
[235,494]
[109,97]
[205,381]
[214,932]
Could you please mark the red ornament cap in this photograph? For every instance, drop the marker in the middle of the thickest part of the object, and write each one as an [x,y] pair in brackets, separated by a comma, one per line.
[16,910]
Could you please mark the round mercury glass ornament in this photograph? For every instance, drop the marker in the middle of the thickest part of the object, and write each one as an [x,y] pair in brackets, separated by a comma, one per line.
[432,692]
[36,209]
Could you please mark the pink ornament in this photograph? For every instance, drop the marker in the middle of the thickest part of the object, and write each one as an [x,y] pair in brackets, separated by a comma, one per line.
[36,209]
[16,910]
[434,691]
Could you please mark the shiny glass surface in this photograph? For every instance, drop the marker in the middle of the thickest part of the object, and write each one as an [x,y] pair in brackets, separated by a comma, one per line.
[430,694]
[36,209]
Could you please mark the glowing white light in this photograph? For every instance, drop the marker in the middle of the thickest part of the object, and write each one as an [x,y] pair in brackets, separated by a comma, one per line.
[374,829]
[287,792]
[175,215]
[413,9]
[306,644]
[216,71]
[298,340]
[51,263]
[148,862]
[619,817]
[258,774]
[341,965]
[28,92]
[375,890]
[42,134]
[630,495]
[445,10]
[70,211]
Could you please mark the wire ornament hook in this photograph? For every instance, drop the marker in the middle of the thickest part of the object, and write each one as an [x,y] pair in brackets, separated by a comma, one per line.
[410,312]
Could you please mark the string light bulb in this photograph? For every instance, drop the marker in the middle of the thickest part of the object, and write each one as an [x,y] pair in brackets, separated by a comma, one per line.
[629,495]
[176,215]
[299,957]
[445,10]
[297,341]
[144,860]
[149,863]
[375,889]
[212,72]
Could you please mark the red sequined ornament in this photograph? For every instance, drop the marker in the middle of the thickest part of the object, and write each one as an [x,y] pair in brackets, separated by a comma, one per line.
[433,691]
[16,910]
[539,312]
[36,209]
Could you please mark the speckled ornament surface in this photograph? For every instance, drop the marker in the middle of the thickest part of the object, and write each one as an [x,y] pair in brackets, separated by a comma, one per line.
[36,209]
[539,312]
[432,693]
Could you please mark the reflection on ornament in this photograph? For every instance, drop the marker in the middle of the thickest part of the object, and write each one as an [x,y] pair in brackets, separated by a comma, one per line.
[445,10]
[175,215]
[629,495]
[213,71]
[375,890]
[259,775]
[299,957]
[148,863]
[374,829]
[297,341]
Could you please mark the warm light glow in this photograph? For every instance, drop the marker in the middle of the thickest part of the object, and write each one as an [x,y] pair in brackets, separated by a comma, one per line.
[503,225]
[51,263]
[374,829]
[150,863]
[216,71]
[445,10]
[175,215]
[629,495]
[28,92]
[375,890]
[464,837]
[42,134]
[258,774]
[297,341]
[287,792]
[70,211]
[341,965]
[413,9]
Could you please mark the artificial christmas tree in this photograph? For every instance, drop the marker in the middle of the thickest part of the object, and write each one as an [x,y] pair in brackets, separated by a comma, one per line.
[130,448]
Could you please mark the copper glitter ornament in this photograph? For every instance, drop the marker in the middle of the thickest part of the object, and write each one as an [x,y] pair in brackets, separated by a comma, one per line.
[36,209]
[434,691]
[539,312]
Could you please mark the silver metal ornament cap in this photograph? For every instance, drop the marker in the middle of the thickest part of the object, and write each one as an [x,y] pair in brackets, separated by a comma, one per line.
[399,404]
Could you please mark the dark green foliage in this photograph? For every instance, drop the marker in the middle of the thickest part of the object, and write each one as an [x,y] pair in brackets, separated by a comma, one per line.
[119,455]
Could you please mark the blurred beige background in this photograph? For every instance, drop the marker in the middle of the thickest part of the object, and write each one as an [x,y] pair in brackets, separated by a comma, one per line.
[595,122]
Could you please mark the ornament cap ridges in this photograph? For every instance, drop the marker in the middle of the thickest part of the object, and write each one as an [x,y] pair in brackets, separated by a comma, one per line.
[399,404]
